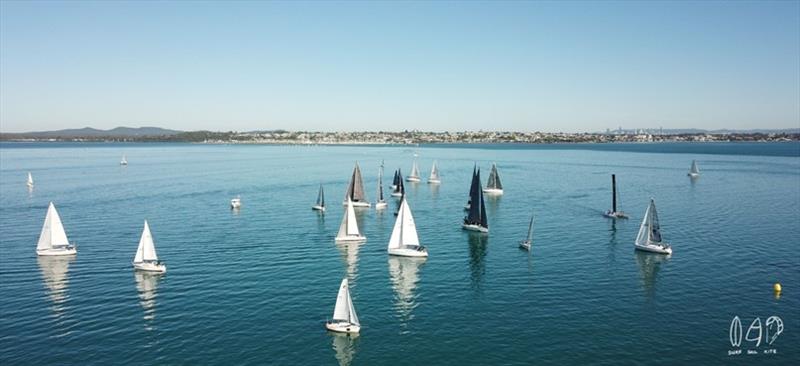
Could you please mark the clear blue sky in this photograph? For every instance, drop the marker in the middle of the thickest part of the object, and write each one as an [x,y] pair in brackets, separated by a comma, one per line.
[527,66]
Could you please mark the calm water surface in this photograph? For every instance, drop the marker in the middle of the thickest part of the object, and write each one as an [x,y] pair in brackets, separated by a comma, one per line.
[255,286]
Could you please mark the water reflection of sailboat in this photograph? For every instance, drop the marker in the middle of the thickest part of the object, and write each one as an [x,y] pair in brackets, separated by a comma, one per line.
[349,252]
[404,274]
[345,347]
[649,264]
[146,285]
[477,251]
[55,273]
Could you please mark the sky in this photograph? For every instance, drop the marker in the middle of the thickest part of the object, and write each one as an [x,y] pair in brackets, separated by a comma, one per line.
[393,66]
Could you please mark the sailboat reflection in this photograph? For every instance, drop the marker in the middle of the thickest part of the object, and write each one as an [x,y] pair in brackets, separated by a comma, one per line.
[649,265]
[477,251]
[404,274]
[55,273]
[345,346]
[146,285]
[349,252]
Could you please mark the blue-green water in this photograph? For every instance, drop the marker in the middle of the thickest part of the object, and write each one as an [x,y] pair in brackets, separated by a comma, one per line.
[255,286]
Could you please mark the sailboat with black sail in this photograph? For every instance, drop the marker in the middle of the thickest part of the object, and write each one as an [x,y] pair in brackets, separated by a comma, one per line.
[493,186]
[320,204]
[355,190]
[613,213]
[472,188]
[400,188]
[476,217]
[528,242]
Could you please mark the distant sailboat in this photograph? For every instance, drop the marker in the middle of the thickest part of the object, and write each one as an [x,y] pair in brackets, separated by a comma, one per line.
[124,160]
[355,190]
[53,239]
[146,258]
[694,172]
[472,188]
[320,204]
[400,188]
[395,180]
[344,319]
[476,217]
[236,202]
[613,213]
[526,244]
[649,238]
[414,176]
[493,186]
[381,203]
[30,180]
[348,230]
[404,240]
[434,178]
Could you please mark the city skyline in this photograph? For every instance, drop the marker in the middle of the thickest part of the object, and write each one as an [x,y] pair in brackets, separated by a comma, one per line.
[345,66]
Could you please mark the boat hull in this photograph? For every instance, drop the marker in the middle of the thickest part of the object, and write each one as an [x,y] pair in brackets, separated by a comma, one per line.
[70,250]
[150,267]
[525,245]
[357,204]
[693,175]
[493,191]
[343,327]
[653,248]
[476,228]
[381,205]
[397,194]
[412,179]
[409,252]
[615,214]
[434,181]
[318,208]
[350,239]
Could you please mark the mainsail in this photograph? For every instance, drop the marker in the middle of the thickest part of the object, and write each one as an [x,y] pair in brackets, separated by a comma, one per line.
[694,169]
[30,180]
[349,226]
[355,190]
[434,172]
[477,208]
[474,185]
[146,251]
[414,170]
[650,230]
[321,197]
[405,231]
[52,234]
[494,179]
[530,230]
[344,310]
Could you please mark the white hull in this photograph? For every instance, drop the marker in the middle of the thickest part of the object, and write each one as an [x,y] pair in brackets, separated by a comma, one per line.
[654,248]
[409,252]
[493,191]
[434,181]
[467,207]
[693,175]
[412,179]
[343,327]
[150,267]
[473,227]
[397,194]
[615,215]
[350,238]
[358,204]
[318,208]
[381,205]
[236,204]
[71,250]
[525,245]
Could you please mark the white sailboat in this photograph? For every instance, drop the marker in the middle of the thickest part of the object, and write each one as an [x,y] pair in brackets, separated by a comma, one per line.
[527,243]
[53,240]
[694,171]
[414,176]
[434,178]
[124,160]
[613,213]
[146,258]
[381,203]
[320,204]
[493,186]
[355,190]
[348,230]
[236,202]
[344,319]
[404,241]
[30,180]
[649,238]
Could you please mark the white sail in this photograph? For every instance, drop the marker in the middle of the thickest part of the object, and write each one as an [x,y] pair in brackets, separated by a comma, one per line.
[405,231]
[694,169]
[434,172]
[52,234]
[414,170]
[147,249]
[349,226]
[344,310]
[530,230]
[30,180]
[641,238]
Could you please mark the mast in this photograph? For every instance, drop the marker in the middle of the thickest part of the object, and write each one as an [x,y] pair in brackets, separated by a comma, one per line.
[613,193]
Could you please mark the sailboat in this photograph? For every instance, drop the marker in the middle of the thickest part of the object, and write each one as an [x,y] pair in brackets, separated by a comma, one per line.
[414,176]
[146,258]
[124,160]
[236,202]
[526,244]
[344,319]
[694,172]
[355,190]
[381,203]
[434,178]
[472,188]
[493,186]
[320,204]
[395,180]
[613,213]
[400,188]
[53,240]
[348,230]
[30,180]
[649,238]
[476,217]
[404,240]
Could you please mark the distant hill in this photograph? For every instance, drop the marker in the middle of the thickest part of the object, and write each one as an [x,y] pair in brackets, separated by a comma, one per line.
[119,132]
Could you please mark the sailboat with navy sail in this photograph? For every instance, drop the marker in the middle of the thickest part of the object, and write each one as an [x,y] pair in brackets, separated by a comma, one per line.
[476,217]
[528,242]
[53,239]
[320,204]
[355,190]
[404,241]
[381,202]
[694,171]
[348,230]
[344,319]
[395,180]
[613,213]
[146,258]
[649,238]
[400,188]
[434,178]
[493,186]
[414,176]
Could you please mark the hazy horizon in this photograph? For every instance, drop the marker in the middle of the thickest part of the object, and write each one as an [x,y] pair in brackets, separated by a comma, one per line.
[364,66]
